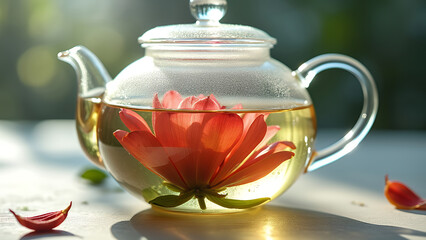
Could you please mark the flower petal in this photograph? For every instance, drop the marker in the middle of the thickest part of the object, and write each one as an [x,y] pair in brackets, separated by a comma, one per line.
[270,133]
[248,142]
[256,170]
[156,104]
[180,134]
[120,134]
[402,197]
[266,151]
[133,121]
[148,151]
[171,128]
[203,104]
[237,107]
[249,118]
[207,103]
[188,102]
[184,160]
[219,136]
[221,132]
[213,98]
[171,99]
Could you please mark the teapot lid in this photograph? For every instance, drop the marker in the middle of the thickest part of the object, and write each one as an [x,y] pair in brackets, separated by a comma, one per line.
[207,30]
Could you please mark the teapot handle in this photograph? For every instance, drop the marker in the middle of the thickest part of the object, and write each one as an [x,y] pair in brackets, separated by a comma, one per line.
[306,73]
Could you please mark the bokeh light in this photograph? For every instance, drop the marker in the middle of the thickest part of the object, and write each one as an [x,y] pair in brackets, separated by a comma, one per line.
[36,66]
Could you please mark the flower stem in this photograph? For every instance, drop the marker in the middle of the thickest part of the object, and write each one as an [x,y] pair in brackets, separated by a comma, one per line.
[201,202]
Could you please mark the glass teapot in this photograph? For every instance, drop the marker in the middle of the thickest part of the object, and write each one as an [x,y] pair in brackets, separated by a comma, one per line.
[207,121]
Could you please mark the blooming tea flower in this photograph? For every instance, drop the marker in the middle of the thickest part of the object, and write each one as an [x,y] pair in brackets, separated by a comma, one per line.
[199,149]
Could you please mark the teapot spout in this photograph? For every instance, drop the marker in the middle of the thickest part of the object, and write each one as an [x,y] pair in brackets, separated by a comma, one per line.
[91,73]
[92,79]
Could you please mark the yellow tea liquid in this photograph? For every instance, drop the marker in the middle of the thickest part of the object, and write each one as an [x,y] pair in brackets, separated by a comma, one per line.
[87,119]
[297,125]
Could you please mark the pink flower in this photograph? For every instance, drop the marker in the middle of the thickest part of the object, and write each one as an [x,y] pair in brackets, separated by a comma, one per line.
[202,150]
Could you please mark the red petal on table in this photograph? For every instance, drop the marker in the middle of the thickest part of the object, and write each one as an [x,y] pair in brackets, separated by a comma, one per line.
[402,197]
[44,222]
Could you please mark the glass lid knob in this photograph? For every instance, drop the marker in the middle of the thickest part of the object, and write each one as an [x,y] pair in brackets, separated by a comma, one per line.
[208,12]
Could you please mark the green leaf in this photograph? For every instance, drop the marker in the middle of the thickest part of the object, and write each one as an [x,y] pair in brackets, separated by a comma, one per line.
[172,200]
[94,176]
[235,203]
[24,208]
[214,193]
[172,187]
[148,194]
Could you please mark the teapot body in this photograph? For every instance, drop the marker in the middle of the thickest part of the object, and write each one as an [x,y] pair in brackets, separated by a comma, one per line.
[275,126]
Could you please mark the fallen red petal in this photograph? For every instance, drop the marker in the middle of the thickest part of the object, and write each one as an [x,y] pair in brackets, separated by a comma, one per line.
[402,197]
[43,222]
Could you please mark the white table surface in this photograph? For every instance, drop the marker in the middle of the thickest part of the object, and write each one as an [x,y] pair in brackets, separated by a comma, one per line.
[40,163]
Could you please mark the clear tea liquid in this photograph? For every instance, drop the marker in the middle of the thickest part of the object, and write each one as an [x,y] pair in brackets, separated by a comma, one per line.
[297,125]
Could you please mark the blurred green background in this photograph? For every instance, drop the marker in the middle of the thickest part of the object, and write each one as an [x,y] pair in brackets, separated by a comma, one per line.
[388,36]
